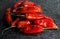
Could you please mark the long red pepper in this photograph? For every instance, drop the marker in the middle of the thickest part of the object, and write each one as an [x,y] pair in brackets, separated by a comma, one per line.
[7,15]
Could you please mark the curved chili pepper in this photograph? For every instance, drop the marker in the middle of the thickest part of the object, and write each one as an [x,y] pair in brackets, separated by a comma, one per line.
[32,16]
[49,24]
[46,23]
[31,29]
[28,28]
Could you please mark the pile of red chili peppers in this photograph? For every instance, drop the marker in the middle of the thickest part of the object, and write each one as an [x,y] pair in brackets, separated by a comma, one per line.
[28,18]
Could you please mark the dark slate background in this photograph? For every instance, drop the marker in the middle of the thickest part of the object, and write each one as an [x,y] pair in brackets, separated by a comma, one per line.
[51,8]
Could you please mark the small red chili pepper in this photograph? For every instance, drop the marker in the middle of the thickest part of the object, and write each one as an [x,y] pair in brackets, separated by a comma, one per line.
[46,23]
[7,15]
[32,16]
[31,29]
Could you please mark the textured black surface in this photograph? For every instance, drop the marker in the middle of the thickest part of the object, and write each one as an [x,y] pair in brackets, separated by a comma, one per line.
[51,8]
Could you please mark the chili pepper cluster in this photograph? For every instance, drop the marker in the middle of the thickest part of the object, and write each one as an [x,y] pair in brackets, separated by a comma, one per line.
[28,18]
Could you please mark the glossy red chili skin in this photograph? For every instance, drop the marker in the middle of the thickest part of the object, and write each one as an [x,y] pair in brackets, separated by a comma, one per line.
[28,28]
[46,23]
[23,23]
[35,16]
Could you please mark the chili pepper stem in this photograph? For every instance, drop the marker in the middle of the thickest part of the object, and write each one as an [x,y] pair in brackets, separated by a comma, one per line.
[16,14]
[50,28]
[7,29]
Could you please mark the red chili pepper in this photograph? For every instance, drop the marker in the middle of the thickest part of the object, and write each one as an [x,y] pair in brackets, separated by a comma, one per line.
[32,16]
[30,29]
[49,24]
[8,15]
[28,4]
[46,23]
[17,4]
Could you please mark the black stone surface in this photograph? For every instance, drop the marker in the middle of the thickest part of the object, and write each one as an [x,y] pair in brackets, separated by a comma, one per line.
[51,8]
